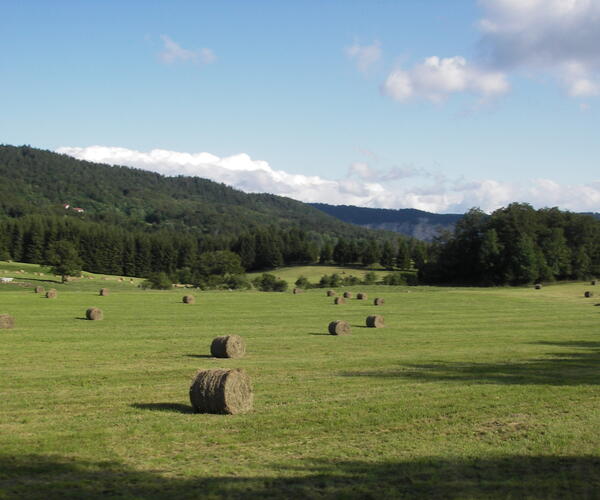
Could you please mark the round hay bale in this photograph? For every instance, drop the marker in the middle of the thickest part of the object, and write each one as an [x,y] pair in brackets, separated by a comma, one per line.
[339,300]
[298,290]
[39,289]
[375,321]
[51,294]
[339,328]
[378,301]
[7,321]
[538,286]
[594,282]
[588,294]
[189,299]
[103,292]
[331,293]
[361,296]
[221,391]
[228,346]
[94,314]
[348,295]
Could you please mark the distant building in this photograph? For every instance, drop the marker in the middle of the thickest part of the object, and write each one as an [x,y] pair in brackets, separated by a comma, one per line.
[78,210]
[66,206]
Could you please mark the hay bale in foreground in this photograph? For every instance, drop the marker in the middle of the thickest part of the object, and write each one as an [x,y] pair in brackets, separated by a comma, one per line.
[339,328]
[361,296]
[339,300]
[378,301]
[228,346]
[39,289]
[348,295]
[221,391]
[51,294]
[538,286]
[7,321]
[94,314]
[104,292]
[588,294]
[331,293]
[189,299]
[297,290]
[375,321]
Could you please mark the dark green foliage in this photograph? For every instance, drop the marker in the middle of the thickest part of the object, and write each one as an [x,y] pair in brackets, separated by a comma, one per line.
[302,282]
[269,283]
[387,255]
[64,259]
[369,278]
[332,281]
[157,281]
[516,245]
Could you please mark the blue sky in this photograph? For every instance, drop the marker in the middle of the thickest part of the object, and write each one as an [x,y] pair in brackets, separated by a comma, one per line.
[429,104]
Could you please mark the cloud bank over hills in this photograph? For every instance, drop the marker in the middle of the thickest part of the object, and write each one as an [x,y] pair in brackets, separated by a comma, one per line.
[362,186]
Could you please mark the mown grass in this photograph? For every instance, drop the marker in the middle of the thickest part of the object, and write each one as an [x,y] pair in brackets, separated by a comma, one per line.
[467,393]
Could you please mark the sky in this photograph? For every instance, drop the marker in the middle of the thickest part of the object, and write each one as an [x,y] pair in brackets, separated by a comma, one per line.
[431,104]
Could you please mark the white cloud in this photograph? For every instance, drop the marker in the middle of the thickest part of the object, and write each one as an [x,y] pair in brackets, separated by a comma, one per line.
[173,52]
[364,56]
[373,188]
[560,37]
[434,79]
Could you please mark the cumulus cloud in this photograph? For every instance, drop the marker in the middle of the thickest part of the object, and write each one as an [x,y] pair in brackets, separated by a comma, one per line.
[434,79]
[364,56]
[560,37]
[365,186]
[172,52]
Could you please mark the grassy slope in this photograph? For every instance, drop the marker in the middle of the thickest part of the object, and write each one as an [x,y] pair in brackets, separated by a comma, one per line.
[467,393]
[314,273]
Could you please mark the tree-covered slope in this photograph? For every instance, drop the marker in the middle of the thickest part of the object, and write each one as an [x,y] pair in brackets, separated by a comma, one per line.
[34,181]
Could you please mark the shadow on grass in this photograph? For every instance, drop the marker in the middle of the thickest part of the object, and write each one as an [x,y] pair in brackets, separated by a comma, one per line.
[319,333]
[203,356]
[557,368]
[532,477]
[171,407]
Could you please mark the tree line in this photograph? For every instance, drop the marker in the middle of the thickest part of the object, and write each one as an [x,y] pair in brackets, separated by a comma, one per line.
[110,249]
[516,245]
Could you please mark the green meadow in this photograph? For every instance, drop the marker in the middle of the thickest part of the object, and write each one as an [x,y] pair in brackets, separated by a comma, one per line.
[466,393]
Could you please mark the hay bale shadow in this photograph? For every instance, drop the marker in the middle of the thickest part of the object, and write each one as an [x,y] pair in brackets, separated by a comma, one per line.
[319,333]
[81,317]
[171,407]
[203,356]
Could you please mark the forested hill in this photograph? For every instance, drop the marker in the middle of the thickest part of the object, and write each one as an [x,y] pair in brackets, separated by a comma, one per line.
[34,181]
[408,221]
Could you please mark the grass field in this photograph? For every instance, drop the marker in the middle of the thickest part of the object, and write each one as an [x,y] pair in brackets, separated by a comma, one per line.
[467,393]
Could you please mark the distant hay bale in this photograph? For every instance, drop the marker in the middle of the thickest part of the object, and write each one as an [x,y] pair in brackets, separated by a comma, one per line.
[375,321]
[339,328]
[361,296]
[348,295]
[228,346]
[378,301]
[538,286]
[298,290]
[104,292]
[51,294]
[588,294]
[94,314]
[594,282]
[221,391]
[331,293]
[339,300]
[39,289]
[7,321]
[189,299]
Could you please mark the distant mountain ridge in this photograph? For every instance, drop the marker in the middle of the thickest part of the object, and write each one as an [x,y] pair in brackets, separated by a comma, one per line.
[408,221]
